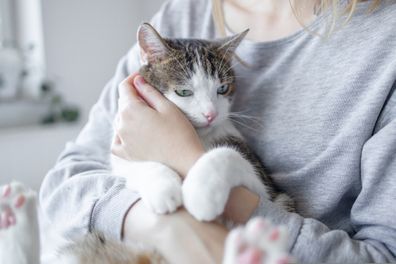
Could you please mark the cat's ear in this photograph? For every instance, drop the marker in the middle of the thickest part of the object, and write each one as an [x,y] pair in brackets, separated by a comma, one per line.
[152,46]
[230,44]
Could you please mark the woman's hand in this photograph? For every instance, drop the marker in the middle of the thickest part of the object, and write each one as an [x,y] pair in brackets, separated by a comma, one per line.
[150,127]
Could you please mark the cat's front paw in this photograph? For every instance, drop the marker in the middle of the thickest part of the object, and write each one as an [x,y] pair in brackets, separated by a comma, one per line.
[256,243]
[161,189]
[205,190]
[19,231]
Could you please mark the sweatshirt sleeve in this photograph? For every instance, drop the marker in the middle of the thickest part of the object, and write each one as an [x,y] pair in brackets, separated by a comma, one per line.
[373,214]
[80,194]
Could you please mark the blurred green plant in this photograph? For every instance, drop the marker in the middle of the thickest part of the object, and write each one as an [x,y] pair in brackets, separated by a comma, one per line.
[59,110]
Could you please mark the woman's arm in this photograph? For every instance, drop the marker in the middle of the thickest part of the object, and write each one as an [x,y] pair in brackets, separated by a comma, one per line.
[178,236]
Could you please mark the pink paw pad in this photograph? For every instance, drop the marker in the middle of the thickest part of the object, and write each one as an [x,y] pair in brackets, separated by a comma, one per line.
[7,218]
[274,235]
[6,191]
[259,242]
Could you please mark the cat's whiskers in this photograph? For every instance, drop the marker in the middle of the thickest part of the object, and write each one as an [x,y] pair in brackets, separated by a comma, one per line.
[254,129]
[254,123]
[250,118]
[240,112]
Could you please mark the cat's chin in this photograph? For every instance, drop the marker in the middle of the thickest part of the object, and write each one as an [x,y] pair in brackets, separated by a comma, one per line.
[204,128]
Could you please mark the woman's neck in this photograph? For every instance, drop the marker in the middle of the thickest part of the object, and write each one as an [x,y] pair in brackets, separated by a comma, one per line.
[267,19]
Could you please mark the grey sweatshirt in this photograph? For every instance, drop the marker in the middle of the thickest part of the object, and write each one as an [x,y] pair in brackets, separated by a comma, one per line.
[327,136]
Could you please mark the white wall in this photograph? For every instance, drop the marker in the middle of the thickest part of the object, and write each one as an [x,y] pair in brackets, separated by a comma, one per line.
[83,41]
[27,154]
[85,38]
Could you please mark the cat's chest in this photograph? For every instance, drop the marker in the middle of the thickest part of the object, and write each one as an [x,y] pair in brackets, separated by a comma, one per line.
[210,138]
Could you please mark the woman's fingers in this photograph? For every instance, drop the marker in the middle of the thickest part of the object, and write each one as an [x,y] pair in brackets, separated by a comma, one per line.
[118,149]
[152,96]
[135,90]
[127,92]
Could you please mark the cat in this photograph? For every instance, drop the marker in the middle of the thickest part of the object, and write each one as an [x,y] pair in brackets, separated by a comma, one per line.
[197,76]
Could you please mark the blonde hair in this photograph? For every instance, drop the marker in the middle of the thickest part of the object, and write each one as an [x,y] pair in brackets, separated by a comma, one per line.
[322,5]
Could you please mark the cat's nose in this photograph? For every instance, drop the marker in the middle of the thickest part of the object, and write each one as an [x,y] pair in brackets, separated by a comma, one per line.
[210,116]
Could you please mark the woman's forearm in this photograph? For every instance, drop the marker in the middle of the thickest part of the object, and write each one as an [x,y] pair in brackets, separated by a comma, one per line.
[178,237]
[241,205]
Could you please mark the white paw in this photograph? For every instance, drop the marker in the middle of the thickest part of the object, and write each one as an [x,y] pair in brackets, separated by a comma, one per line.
[205,190]
[257,243]
[19,238]
[161,190]
[208,183]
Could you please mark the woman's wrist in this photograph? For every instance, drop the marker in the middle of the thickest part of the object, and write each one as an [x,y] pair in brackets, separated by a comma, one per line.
[201,242]
[139,222]
[241,205]
[187,161]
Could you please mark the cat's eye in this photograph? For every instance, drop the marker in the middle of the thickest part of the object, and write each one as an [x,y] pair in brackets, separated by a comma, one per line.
[224,89]
[184,93]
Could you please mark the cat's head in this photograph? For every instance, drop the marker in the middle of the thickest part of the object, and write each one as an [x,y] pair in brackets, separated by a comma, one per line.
[194,74]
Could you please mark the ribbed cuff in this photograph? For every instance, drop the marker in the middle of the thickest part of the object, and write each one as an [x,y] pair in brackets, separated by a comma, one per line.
[109,212]
[280,216]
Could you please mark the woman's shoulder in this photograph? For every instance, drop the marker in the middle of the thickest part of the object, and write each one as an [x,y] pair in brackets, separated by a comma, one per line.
[184,18]
[382,17]
[371,29]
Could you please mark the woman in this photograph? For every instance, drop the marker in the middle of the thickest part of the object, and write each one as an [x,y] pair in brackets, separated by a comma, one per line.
[328,139]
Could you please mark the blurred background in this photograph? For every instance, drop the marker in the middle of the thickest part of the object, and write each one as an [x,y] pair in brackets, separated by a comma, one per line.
[55,58]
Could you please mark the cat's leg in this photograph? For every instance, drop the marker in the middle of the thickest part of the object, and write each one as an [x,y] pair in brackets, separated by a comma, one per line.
[158,185]
[258,242]
[19,232]
[209,182]
[160,188]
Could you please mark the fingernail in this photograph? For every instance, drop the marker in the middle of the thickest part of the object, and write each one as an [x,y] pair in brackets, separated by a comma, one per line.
[139,81]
